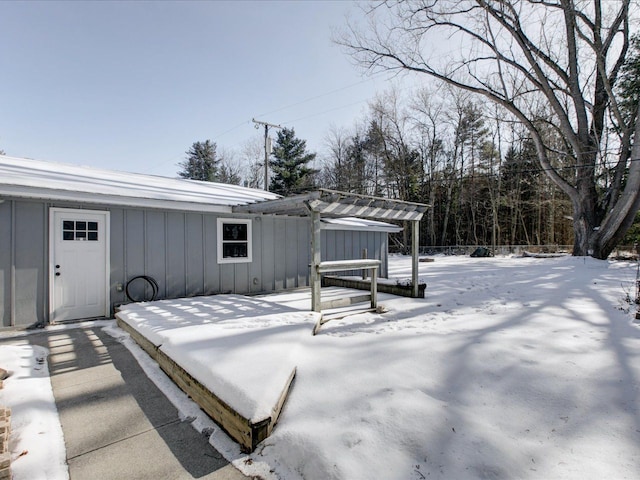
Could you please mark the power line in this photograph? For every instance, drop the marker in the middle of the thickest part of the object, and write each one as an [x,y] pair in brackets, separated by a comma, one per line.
[244,122]
[322,95]
[325,111]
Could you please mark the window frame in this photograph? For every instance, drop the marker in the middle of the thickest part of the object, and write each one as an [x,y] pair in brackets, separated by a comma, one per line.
[220,241]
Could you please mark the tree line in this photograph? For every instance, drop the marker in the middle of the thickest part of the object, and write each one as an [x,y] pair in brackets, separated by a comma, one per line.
[475,169]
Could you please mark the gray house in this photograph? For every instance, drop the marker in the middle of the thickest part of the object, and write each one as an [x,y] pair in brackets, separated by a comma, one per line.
[72,238]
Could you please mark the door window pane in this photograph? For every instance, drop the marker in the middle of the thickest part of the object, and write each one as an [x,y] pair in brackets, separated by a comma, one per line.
[79,230]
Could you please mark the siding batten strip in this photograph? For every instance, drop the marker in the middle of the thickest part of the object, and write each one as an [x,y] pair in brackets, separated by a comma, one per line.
[12,266]
[166,254]
[204,256]
[125,242]
[46,275]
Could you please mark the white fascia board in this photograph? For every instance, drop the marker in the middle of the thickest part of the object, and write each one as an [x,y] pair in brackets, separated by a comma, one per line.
[115,200]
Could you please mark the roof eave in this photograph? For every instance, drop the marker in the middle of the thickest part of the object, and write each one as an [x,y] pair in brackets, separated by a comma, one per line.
[115,200]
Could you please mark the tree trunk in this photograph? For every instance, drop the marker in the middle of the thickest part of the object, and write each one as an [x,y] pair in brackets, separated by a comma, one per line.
[431,214]
[622,215]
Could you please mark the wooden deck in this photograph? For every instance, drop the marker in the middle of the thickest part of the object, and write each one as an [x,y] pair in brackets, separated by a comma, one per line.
[247,432]
[247,422]
[246,429]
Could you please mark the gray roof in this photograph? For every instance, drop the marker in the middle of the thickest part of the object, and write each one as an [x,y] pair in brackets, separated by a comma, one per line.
[26,178]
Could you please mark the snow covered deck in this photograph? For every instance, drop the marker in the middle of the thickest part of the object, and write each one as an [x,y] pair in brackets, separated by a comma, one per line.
[232,354]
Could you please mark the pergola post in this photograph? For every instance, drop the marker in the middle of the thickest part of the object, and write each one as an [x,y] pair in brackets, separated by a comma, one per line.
[415,242]
[314,275]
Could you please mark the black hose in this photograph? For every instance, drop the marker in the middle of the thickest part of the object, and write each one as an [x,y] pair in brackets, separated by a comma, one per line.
[151,281]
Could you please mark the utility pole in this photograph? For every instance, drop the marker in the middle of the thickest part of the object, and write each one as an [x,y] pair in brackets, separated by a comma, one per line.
[267,148]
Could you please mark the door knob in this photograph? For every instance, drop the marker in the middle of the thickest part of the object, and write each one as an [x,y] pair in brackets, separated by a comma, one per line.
[57,266]
[57,274]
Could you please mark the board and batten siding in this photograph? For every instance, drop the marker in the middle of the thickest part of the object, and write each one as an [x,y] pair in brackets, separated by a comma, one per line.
[178,249]
[23,262]
[349,244]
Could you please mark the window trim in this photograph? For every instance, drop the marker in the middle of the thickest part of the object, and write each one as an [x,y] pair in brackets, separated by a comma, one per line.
[220,243]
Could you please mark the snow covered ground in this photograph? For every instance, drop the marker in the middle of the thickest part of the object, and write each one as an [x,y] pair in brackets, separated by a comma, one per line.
[509,368]
[36,442]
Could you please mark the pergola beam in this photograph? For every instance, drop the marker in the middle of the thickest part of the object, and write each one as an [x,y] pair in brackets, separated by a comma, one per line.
[345,209]
[279,206]
[331,203]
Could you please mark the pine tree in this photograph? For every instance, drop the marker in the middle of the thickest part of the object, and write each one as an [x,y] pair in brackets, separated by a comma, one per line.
[628,87]
[201,162]
[356,164]
[289,165]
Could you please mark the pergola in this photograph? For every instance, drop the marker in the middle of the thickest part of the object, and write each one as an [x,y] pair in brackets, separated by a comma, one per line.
[330,203]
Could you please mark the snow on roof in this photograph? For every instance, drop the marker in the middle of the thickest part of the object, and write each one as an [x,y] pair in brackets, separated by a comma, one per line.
[20,177]
[352,223]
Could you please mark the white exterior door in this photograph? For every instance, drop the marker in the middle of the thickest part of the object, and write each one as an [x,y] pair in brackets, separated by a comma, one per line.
[78,261]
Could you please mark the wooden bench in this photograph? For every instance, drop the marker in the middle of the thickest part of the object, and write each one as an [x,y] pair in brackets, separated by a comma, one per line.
[344,265]
[358,264]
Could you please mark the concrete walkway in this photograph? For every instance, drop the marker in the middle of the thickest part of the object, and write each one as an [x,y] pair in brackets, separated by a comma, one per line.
[116,422]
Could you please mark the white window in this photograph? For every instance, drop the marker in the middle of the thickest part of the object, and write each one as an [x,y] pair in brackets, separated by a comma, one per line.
[234,240]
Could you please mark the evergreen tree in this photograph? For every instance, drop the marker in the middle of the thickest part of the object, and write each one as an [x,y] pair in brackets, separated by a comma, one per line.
[628,90]
[374,145]
[289,165]
[628,87]
[356,175]
[201,162]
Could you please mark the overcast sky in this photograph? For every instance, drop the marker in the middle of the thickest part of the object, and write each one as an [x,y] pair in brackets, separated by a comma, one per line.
[131,85]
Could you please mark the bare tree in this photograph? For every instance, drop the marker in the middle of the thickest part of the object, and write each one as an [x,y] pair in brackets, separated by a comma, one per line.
[229,168]
[335,170]
[252,158]
[562,55]
[428,112]
[401,160]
